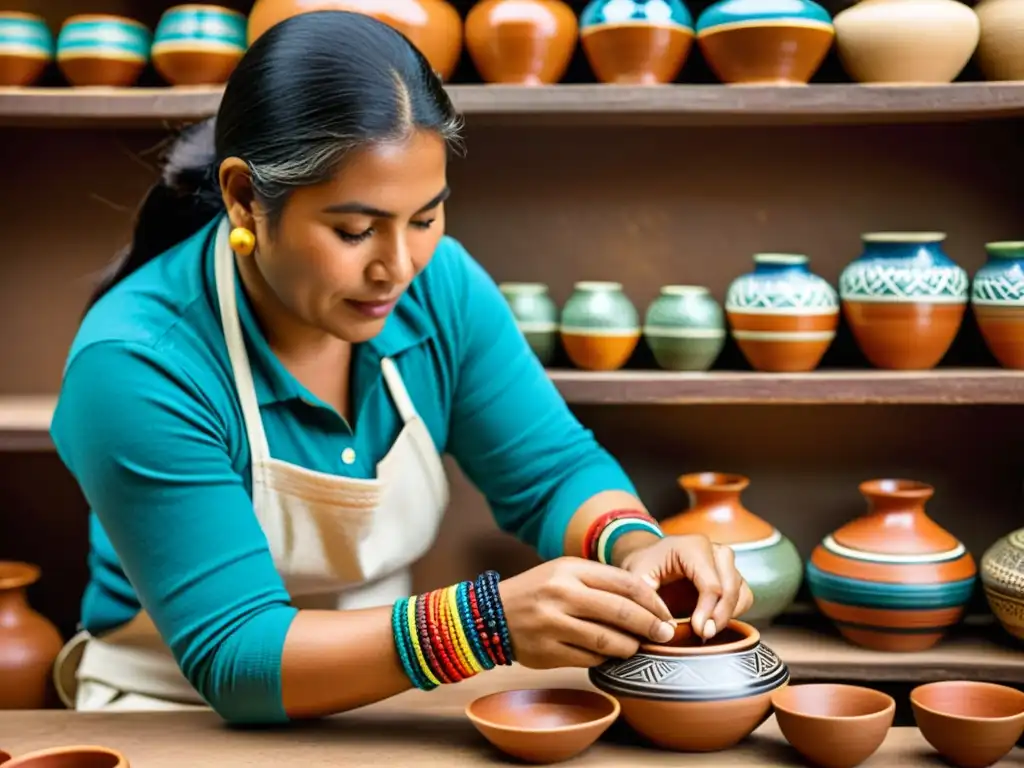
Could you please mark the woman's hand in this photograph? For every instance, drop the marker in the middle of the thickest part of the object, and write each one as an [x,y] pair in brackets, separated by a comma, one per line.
[572,612]
[682,565]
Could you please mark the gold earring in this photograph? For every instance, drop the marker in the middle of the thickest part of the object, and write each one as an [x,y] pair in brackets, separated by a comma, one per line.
[242,241]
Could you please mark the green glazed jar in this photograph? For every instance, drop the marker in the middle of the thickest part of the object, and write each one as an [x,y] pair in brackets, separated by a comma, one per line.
[536,315]
[600,327]
[685,328]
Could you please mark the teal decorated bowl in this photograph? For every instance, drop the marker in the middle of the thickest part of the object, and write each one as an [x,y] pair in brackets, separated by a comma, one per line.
[102,50]
[26,47]
[198,44]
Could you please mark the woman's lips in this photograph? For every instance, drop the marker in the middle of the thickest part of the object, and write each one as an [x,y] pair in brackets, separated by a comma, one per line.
[372,309]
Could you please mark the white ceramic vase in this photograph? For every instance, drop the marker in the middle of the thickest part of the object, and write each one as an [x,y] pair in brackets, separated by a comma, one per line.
[909,42]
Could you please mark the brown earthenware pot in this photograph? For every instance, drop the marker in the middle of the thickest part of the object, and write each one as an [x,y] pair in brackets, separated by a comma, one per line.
[695,696]
[29,643]
[521,42]
[84,756]
[433,26]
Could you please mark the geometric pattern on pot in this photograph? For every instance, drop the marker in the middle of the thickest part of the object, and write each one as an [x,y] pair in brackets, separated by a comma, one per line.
[1002,567]
[1001,280]
[793,291]
[715,677]
[904,267]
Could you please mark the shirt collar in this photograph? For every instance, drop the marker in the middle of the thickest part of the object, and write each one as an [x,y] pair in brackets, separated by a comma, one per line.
[407,326]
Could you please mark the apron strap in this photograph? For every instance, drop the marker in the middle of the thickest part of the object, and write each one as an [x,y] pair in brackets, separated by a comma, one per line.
[398,391]
[224,266]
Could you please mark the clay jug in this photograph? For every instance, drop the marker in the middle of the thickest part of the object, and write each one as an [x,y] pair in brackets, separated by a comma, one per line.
[893,579]
[522,42]
[767,560]
[433,26]
[29,643]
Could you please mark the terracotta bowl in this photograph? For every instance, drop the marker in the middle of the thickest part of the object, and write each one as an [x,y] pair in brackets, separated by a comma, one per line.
[831,725]
[972,725]
[694,696]
[543,725]
[68,757]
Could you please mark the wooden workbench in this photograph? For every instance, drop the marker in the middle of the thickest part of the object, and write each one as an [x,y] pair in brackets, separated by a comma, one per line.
[428,730]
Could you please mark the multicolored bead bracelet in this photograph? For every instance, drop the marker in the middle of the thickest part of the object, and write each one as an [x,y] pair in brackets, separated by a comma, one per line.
[453,633]
[606,530]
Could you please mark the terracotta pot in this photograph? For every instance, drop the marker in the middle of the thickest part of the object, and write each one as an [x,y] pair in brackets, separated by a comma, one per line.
[904,299]
[767,560]
[906,41]
[198,44]
[696,696]
[102,50]
[685,328]
[1002,576]
[773,42]
[521,42]
[599,326]
[783,316]
[433,26]
[997,298]
[85,756]
[893,579]
[29,643]
[1001,46]
[26,48]
[643,42]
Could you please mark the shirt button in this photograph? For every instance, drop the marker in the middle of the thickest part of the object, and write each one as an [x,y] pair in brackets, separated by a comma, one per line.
[348,456]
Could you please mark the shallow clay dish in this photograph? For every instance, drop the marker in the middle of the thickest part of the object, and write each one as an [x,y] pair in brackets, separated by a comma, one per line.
[831,725]
[694,696]
[543,725]
[972,725]
[86,756]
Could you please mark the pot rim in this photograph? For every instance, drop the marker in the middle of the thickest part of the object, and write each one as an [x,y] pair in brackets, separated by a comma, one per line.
[749,637]
[897,488]
[93,749]
[713,481]
[16,574]
[903,237]
[609,717]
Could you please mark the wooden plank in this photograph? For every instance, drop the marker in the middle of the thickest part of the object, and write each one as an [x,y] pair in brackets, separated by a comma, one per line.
[590,104]
[25,422]
[428,730]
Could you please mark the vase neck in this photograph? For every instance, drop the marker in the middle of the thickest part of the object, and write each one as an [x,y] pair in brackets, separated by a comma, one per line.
[12,601]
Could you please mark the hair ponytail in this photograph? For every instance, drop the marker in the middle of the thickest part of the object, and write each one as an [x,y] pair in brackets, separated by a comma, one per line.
[184,199]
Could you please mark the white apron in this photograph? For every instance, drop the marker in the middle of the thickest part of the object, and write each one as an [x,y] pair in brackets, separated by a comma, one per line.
[338,543]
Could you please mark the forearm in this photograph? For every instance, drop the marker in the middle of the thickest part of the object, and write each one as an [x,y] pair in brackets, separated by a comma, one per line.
[334,661]
[597,506]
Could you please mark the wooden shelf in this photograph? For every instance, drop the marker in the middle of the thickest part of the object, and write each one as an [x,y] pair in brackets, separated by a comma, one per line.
[986,386]
[25,419]
[569,104]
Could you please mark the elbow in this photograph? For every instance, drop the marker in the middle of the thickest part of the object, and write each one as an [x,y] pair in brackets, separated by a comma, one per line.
[239,677]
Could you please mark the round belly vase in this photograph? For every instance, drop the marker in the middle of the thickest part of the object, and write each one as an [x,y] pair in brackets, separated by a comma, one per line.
[685,328]
[29,642]
[770,42]
[906,42]
[904,299]
[636,42]
[997,299]
[1000,53]
[599,326]
[767,560]
[521,42]
[783,316]
[536,316]
[1002,578]
[198,44]
[694,696]
[96,50]
[433,26]
[26,48]
[893,579]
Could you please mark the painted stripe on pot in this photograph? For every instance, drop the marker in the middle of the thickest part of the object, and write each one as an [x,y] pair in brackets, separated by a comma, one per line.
[883,617]
[109,39]
[25,35]
[202,24]
[874,594]
[769,541]
[887,629]
[784,335]
[832,545]
[534,326]
[584,331]
[673,332]
[903,573]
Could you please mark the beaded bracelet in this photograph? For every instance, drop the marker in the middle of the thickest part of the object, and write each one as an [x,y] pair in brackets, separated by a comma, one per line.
[453,633]
[606,530]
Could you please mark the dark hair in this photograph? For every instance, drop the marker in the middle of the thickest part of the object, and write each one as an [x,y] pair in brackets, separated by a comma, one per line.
[309,90]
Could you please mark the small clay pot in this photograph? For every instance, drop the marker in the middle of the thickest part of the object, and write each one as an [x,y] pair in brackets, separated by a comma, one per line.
[543,725]
[832,725]
[685,328]
[26,47]
[997,298]
[691,695]
[642,42]
[599,326]
[85,756]
[102,50]
[198,44]
[1000,51]
[536,316]
[971,724]
[521,42]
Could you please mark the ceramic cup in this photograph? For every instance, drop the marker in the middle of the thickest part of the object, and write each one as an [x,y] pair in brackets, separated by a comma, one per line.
[26,47]
[102,50]
[198,44]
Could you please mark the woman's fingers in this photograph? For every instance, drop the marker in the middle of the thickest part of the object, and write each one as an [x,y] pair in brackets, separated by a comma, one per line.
[627,584]
[731,582]
[597,639]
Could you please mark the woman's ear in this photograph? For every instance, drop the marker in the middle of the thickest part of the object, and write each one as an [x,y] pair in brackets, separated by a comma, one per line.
[237,193]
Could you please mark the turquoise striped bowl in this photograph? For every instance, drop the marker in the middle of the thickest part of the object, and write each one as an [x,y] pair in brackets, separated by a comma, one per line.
[198,44]
[26,47]
[102,50]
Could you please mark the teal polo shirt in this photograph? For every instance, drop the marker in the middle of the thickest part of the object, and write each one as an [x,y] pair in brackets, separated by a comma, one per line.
[149,424]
